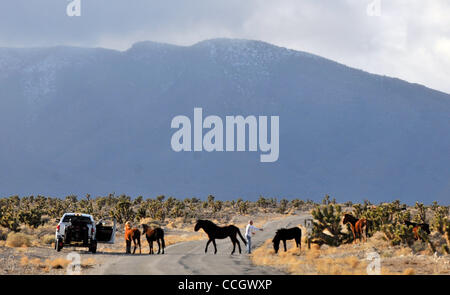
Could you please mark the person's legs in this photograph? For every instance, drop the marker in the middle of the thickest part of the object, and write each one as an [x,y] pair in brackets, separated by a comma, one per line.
[249,244]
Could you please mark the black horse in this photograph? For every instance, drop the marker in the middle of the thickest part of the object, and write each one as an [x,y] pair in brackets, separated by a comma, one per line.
[219,232]
[284,234]
[154,234]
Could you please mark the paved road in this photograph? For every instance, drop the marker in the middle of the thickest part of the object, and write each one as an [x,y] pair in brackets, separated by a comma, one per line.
[188,258]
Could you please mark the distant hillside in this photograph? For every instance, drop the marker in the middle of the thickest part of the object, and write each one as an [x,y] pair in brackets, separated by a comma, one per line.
[91,120]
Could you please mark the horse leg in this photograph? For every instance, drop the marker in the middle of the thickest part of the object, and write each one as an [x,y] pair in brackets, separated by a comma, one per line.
[128,246]
[207,244]
[354,234]
[234,245]
[159,245]
[297,242]
[151,247]
[359,232]
[284,244]
[239,246]
[134,249]
[215,247]
[139,242]
[364,234]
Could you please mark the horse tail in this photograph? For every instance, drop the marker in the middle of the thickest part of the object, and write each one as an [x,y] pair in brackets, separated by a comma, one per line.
[239,232]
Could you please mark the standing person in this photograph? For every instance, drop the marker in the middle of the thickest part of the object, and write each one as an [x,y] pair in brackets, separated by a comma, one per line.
[249,231]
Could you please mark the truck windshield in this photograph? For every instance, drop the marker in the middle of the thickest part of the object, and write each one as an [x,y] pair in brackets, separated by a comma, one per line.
[73,218]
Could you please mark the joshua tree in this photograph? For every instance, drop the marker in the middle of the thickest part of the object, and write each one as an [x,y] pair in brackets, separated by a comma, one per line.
[327,226]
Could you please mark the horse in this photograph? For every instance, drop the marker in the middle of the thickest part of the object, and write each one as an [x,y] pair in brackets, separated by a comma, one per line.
[154,234]
[424,226]
[358,226]
[284,234]
[219,232]
[132,234]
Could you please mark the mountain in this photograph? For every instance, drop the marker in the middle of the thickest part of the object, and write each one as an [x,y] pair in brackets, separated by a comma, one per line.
[92,120]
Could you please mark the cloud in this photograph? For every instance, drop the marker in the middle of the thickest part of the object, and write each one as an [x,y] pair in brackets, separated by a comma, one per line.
[409,40]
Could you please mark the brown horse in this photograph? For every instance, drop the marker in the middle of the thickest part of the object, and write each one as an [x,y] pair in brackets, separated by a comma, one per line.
[154,234]
[358,226]
[423,226]
[132,234]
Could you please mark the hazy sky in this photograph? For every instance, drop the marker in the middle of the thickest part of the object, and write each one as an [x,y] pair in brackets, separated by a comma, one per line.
[410,39]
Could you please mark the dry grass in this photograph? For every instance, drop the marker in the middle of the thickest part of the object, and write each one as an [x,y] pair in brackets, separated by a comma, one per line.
[59,263]
[47,239]
[404,251]
[15,240]
[88,263]
[313,261]
[409,271]
[351,259]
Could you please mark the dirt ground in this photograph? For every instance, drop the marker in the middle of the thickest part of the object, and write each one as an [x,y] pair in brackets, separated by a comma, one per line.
[353,259]
[40,257]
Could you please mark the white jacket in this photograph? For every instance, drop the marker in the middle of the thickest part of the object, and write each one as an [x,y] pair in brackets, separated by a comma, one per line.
[249,229]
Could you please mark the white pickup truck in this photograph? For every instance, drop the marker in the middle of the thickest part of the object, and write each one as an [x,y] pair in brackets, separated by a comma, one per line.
[80,230]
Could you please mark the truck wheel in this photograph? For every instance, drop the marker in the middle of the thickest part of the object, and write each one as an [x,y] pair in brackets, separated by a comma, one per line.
[93,247]
[59,245]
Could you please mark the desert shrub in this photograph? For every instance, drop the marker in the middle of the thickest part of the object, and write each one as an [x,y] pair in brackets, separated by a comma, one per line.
[440,219]
[18,240]
[382,215]
[9,213]
[3,234]
[421,216]
[283,206]
[48,239]
[262,202]
[216,207]
[123,210]
[327,227]
[31,217]
[243,206]
[398,233]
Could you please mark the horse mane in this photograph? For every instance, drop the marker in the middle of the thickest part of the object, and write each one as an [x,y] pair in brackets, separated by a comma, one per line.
[207,222]
[276,238]
[350,218]
[280,231]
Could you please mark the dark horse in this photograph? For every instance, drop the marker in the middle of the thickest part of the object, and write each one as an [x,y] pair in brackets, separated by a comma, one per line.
[219,232]
[284,234]
[154,234]
[423,226]
[358,226]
